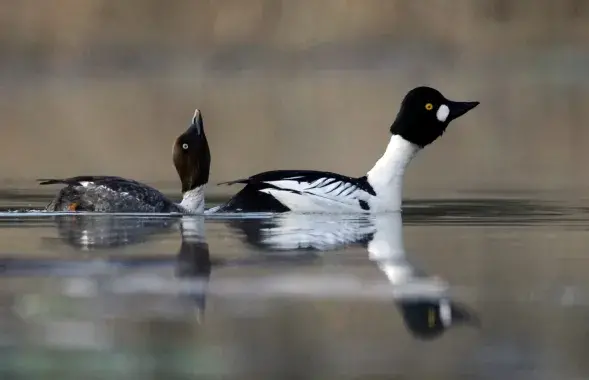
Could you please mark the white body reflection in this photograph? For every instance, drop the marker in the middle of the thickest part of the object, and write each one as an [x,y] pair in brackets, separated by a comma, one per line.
[425,305]
[423,300]
[314,231]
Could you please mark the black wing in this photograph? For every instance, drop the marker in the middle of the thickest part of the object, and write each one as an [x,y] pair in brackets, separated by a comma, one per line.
[332,185]
[301,176]
[112,182]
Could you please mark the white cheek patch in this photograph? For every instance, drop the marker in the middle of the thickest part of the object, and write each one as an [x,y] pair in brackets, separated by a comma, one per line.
[443,113]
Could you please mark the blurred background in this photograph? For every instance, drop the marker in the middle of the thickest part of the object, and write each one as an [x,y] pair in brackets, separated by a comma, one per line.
[105,86]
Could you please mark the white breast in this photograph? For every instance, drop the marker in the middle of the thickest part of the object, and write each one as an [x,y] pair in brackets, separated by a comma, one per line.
[386,177]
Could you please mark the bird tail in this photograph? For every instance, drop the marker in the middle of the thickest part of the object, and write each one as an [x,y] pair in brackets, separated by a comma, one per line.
[243,180]
[50,181]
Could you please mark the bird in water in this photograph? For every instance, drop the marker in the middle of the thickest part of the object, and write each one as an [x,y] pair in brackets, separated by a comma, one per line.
[423,117]
[111,194]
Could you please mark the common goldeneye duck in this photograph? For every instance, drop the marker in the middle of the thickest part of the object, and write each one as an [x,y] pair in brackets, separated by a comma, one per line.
[423,116]
[191,158]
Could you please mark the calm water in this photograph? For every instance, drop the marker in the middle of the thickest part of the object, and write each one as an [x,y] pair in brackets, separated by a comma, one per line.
[298,296]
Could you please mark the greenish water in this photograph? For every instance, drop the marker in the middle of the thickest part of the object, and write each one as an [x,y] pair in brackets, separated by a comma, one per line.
[297,296]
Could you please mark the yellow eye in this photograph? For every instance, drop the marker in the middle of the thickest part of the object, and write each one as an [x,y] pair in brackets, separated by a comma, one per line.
[429,106]
[431,317]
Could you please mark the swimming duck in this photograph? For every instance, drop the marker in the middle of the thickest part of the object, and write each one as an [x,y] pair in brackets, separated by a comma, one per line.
[423,117]
[112,194]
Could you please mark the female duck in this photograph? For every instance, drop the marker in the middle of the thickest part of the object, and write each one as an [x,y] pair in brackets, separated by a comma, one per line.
[191,158]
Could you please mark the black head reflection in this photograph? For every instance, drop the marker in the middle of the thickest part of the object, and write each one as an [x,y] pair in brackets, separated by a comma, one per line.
[108,233]
[426,314]
[194,261]
[428,319]
[427,311]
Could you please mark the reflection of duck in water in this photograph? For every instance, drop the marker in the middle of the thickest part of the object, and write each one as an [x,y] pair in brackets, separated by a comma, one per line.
[426,307]
[108,233]
[194,260]
[304,232]
[103,231]
[423,301]
[111,269]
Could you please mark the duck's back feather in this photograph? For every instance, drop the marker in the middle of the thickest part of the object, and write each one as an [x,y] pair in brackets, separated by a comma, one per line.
[299,190]
[107,194]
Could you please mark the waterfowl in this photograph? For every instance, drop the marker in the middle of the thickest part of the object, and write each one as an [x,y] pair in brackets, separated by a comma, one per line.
[191,157]
[423,117]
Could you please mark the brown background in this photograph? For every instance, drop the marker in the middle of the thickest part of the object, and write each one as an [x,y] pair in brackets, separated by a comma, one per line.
[104,87]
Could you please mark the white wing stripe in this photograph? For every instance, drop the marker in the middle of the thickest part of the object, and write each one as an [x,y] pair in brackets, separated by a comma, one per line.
[329,188]
[326,192]
[318,182]
[346,189]
[349,191]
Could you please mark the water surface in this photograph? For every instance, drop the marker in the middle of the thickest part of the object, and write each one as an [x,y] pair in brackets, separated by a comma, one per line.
[309,296]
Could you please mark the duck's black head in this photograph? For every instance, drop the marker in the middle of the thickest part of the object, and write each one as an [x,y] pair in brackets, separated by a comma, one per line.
[428,319]
[425,114]
[192,156]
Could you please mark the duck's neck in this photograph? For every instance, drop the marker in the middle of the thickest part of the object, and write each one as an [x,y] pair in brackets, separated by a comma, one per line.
[193,201]
[387,249]
[193,229]
[386,177]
